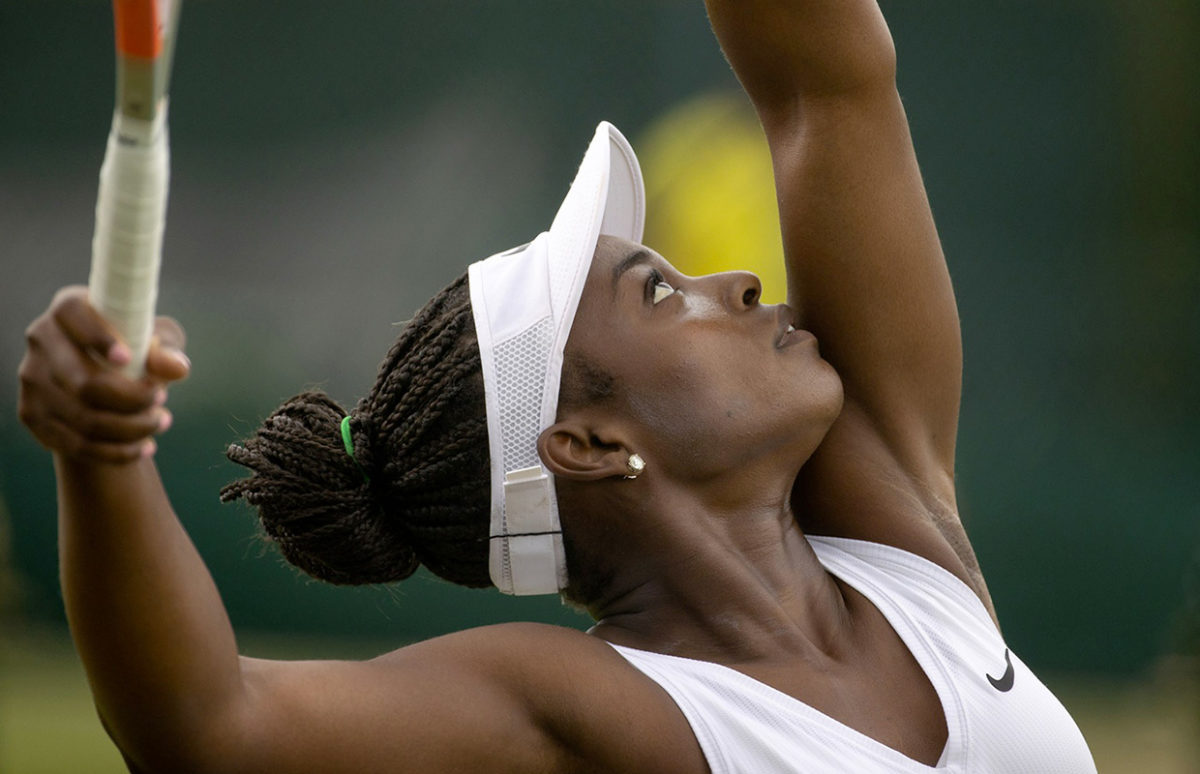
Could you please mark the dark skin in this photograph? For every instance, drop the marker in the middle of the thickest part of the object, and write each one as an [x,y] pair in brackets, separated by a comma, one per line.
[748,447]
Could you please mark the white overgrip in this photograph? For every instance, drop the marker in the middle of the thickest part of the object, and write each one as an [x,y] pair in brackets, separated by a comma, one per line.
[131,213]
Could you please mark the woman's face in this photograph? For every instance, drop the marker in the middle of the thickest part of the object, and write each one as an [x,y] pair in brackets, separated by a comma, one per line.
[707,377]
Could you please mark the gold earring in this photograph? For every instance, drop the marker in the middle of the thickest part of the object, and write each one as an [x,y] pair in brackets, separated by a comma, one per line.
[635,465]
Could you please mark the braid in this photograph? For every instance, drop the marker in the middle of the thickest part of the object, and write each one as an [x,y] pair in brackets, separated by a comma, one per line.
[420,436]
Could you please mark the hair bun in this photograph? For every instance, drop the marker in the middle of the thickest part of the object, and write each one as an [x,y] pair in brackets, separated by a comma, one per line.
[419,436]
[315,501]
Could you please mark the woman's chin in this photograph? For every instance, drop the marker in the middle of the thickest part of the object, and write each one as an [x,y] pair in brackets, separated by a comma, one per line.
[828,396]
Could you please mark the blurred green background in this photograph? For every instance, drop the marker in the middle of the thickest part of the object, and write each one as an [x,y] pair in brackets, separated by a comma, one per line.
[334,164]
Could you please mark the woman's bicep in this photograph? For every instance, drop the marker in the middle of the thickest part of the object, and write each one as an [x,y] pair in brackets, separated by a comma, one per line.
[421,712]
[866,270]
[867,276]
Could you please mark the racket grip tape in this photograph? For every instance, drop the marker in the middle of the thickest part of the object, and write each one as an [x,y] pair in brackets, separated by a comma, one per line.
[131,210]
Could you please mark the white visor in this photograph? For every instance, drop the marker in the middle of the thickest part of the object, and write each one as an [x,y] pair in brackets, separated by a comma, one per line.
[524,302]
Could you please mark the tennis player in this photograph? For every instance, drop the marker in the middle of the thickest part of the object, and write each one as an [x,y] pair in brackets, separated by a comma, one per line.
[755,503]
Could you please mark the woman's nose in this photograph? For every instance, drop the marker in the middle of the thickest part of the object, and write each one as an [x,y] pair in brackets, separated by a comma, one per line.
[744,289]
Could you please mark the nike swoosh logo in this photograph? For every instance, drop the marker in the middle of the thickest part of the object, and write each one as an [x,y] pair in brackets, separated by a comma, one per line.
[1005,681]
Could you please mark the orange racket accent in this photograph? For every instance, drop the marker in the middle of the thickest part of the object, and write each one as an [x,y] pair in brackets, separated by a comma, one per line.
[139,30]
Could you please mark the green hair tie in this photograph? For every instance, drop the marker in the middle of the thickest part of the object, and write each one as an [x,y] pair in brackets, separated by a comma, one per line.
[348,442]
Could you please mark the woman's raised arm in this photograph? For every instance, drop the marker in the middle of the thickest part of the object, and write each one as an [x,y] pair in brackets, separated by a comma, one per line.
[145,615]
[865,267]
[866,272]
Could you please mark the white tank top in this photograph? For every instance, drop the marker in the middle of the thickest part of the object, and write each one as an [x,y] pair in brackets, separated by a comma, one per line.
[999,716]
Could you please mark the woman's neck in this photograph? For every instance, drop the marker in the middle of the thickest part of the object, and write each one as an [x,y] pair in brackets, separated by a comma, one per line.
[727,587]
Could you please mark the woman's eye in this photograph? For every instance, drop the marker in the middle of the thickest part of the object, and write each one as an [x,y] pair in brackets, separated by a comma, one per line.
[657,288]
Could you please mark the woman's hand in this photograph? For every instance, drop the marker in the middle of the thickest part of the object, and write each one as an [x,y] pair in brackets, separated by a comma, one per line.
[73,397]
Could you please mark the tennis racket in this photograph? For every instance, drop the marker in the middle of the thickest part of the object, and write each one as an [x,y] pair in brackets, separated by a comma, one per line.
[131,207]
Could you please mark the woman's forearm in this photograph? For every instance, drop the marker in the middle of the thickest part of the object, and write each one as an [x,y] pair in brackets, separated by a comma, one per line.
[145,614]
[785,50]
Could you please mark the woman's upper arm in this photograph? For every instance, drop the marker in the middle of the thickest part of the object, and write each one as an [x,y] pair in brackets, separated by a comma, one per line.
[506,698]
[438,706]
[865,266]
[866,270]
[867,276]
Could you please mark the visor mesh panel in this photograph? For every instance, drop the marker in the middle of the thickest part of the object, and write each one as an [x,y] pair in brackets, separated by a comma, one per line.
[520,380]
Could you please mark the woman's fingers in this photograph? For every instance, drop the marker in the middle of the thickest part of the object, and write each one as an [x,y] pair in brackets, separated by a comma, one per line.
[67,426]
[73,398]
[110,426]
[165,361]
[61,423]
[114,392]
[166,364]
[170,333]
[74,370]
[86,328]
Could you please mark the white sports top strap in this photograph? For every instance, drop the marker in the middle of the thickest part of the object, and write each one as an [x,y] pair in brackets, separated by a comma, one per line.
[999,716]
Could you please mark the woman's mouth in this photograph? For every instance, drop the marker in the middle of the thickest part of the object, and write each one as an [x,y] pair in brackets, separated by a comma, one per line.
[791,336]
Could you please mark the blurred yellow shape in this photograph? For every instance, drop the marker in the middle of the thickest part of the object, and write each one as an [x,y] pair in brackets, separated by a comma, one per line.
[710,191]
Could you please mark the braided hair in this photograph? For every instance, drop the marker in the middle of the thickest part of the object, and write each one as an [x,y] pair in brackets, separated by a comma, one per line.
[417,490]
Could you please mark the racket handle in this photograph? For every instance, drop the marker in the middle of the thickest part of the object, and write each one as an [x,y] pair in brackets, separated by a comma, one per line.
[131,212]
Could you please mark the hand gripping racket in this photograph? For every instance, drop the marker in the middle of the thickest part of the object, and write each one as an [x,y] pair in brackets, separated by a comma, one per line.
[131,207]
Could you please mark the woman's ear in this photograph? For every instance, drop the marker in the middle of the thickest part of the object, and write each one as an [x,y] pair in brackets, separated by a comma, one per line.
[572,451]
